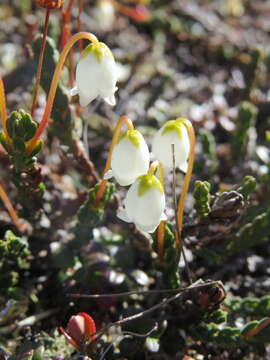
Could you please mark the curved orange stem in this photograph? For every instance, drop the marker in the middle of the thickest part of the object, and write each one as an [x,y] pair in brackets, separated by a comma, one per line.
[153,167]
[257,329]
[161,226]
[102,186]
[160,240]
[54,83]
[3,108]
[10,209]
[181,203]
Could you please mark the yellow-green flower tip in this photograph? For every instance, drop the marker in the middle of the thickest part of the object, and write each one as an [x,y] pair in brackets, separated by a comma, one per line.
[147,182]
[176,126]
[133,136]
[98,49]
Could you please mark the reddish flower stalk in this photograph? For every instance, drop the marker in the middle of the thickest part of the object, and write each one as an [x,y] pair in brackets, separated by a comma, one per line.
[257,329]
[137,13]
[65,36]
[66,17]
[48,5]
[40,60]
[80,9]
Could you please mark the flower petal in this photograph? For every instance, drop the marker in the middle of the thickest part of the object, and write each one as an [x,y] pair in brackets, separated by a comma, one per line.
[129,160]
[184,167]
[85,100]
[110,100]
[74,91]
[146,210]
[163,217]
[122,215]
[162,147]
[108,175]
[87,79]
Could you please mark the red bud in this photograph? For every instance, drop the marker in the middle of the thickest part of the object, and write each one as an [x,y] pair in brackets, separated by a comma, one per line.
[50,4]
[139,13]
[80,330]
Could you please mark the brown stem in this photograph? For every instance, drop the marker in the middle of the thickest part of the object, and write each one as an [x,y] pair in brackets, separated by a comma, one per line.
[197,285]
[164,302]
[69,8]
[84,163]
[67,17]
[40,60]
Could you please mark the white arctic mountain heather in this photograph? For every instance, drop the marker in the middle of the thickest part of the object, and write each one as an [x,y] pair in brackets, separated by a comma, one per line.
[144,204]
[130,158]
[96,74]
[173,132]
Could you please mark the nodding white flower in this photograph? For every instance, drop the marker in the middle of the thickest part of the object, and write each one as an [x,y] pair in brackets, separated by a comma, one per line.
[144,203]
[130,158]
[104,14]
[96,74]
[173,132]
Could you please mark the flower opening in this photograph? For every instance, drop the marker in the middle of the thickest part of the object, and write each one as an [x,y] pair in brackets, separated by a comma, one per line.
[144,203]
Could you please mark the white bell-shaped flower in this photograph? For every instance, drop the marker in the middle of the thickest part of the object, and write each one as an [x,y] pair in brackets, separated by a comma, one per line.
[173,132]
[104,14]
[130,158]
[96,74]
[144,203]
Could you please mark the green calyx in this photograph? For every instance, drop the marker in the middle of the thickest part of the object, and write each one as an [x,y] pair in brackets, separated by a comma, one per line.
[133,136]
[147,182]
[20,126]
[176,126]
[98,49]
